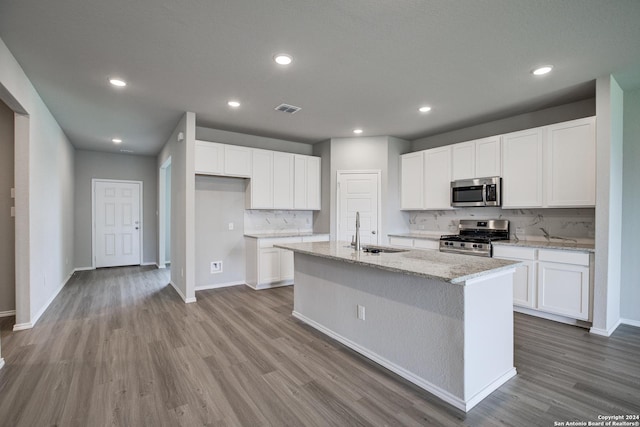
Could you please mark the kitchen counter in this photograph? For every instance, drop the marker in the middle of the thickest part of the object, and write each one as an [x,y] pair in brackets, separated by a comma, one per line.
[284,234]
[401,311]
[543,244]
[446,267]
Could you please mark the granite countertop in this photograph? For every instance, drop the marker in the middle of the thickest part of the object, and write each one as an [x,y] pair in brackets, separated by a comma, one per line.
[543,244]
[433,235]
[447,267]
[284,234]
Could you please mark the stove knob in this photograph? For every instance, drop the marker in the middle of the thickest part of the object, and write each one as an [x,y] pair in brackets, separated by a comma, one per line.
[475,246]
[462,245]
[479,246]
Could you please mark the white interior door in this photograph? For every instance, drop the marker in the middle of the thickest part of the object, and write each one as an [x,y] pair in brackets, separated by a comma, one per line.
[117,225]
[358,192]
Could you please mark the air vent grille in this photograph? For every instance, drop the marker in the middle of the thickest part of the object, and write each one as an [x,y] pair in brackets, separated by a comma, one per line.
[286,108]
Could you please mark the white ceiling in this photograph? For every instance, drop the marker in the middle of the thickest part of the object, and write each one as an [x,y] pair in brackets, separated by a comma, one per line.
[357,63]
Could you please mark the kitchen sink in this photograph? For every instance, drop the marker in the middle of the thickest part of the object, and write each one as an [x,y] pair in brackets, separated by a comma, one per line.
[382,249]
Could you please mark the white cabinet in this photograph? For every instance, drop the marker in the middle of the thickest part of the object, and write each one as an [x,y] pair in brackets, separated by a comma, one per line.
[570,163]
[480,158]
[209,158]
[417,243]
[551,281]
[212,158]
[282,180]
[522,169]
[412,181]
[267,266]
[437,178]
[306,183]
[260,190]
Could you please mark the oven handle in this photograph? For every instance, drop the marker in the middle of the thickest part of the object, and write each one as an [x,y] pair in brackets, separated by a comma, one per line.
[484,194]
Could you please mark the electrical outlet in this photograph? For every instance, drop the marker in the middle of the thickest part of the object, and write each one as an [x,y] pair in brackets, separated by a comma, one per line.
[421,227]
[520,231]
[360,313]
[216,267]
[230,226]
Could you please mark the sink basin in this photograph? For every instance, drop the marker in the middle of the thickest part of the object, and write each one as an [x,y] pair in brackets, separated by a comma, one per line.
[382,249]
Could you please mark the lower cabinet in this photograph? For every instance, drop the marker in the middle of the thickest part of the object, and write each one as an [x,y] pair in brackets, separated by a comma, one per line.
[407,242]
[551,281]
[269,267]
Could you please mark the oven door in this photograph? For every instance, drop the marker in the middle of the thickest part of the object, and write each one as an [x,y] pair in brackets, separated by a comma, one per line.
[467,195]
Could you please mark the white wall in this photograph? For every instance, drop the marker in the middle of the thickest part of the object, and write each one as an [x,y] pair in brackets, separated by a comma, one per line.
[234,138]
[44,195]
[630,280]
[182,205]
[7,225]
[93,164]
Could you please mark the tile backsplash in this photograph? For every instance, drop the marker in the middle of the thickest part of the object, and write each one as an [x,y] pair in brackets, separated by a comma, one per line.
[574,223]
[261,221]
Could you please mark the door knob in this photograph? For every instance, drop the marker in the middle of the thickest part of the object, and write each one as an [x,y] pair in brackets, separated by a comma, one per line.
[137,228]
[373,231]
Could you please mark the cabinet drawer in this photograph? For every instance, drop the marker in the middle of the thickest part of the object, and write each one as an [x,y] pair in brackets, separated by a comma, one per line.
[426,244]
[268,243]
[316,238]
[565,257]
[514,252]
[401,241]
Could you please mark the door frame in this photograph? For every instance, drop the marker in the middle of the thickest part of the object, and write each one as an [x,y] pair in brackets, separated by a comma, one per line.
[162,213]
[93,215]
[342,173]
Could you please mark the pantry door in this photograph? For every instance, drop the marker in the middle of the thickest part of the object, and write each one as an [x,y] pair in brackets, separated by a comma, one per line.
[359,191]
[117,225]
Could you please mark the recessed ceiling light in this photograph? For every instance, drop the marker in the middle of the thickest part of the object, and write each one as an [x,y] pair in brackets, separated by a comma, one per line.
[118,82]
[540,71]
[283,59]
[116,140]
[233,104]
[424,109]
[357,131]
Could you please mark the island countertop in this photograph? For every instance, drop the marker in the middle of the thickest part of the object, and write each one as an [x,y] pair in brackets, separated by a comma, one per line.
[447,267]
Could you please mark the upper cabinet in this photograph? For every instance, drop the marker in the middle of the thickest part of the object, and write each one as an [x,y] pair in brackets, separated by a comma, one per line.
[412,180]
[476,159]
[282,180]
[570,163]
[522,169]
[551,166]
[426,179]
[259,193]
[306,183]
[212,158]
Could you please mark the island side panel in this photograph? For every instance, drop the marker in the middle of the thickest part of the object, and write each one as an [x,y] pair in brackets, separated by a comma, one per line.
[411,323]
[488,338]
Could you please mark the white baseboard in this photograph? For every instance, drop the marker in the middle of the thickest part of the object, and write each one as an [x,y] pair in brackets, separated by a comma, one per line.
[150,263]
[550,316]
[184,298]
[630,322]
[409,376]
[605,332]
[219,285]
[34,319]
[7,313]
[269,285]
[84,268]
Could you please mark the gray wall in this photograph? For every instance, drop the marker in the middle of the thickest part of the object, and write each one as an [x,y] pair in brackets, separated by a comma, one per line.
[630,287]
[93,164]
[233,138]
[322,218]
[219,201]
[7,225]
[396,220]
[575,110]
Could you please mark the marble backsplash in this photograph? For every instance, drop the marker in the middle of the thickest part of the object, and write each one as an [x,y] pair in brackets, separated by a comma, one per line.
[525,224]
[260,221]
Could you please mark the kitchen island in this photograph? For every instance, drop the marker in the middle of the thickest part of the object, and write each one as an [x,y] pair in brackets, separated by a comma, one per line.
[442,321]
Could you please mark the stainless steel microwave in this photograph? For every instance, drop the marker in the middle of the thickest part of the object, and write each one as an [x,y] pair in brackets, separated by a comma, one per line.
[476,192]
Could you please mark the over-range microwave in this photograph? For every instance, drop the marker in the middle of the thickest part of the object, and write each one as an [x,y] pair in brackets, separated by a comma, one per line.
[476,192]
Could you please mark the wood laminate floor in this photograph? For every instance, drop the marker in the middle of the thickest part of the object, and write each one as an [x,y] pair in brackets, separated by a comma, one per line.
[119,347]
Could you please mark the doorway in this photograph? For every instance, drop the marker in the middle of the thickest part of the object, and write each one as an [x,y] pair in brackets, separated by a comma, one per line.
[359,191]
[117,227]
[164,215]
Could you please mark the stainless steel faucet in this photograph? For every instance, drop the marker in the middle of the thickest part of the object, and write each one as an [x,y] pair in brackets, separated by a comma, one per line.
[358,247]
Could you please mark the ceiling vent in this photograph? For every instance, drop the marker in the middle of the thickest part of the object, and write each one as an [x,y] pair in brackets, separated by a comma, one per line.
[286,108]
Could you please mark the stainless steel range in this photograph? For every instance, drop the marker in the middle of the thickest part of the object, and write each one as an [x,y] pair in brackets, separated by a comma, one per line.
[475,237]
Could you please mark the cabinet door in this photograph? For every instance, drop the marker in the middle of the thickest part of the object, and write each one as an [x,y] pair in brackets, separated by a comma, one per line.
[433,245]
[563,289]
[237,161]
[437,178]
[404,242]
[488,157]
[571,163]
[261,184]
[522,169]
[524,285]
[286,264]
[209,158]
[269,265]
[282,180]
[463,162]
[313,183]
[300,182]
[412,181]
